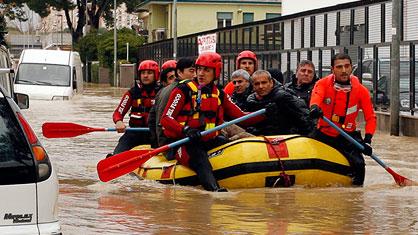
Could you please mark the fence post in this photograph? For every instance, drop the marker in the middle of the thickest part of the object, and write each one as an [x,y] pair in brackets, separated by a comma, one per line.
[395,68]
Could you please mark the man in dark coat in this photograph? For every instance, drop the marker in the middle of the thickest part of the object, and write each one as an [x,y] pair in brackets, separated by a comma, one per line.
[303,81]
[292,114]
[242,88]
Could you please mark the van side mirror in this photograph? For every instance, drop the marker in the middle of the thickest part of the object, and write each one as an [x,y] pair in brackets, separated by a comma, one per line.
[6,70]
[74,79]
[22,100]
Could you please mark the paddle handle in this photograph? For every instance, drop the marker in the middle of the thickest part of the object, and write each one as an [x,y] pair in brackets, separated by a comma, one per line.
[353,141]
[127,129]
[217,128]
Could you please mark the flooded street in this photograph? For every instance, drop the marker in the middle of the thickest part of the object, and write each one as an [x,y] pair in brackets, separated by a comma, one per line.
[130,206]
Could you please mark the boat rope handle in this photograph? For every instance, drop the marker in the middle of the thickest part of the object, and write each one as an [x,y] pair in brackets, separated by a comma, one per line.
[286,177]
[174,174]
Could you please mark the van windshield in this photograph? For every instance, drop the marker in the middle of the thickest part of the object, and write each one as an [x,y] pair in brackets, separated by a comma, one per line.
[43,74]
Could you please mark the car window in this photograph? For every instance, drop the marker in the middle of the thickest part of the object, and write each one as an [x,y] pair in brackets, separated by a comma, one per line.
[367,67]
[16,162]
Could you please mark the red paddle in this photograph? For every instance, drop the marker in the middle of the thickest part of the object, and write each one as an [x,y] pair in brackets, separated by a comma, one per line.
[67,129]
[399,179]
[113,167]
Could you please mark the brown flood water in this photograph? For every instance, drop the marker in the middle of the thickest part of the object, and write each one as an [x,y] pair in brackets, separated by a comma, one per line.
[130,206]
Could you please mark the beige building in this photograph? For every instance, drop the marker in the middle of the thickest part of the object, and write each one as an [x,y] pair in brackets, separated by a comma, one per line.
[198,15]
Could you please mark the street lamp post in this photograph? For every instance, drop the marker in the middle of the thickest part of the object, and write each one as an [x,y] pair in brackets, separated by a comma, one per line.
[54,38]
[174,28]
[115,47]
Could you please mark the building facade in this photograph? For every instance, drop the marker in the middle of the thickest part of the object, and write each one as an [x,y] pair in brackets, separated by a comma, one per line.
[199,15]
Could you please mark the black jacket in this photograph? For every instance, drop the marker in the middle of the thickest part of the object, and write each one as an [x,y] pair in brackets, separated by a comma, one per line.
[241,99]
[303,91]
[292,116]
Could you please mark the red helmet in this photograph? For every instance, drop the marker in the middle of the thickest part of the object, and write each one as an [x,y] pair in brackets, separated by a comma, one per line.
[211,60]
[247,55]
[150,65]
[169,64]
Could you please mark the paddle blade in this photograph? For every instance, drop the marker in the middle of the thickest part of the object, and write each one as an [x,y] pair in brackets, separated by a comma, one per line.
[401,180]
[65,129]
[124,163]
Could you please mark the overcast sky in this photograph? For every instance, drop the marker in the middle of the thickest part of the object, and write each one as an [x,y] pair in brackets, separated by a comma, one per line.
[294,6]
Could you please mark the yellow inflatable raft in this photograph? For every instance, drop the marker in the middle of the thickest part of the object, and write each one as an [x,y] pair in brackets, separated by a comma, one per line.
[260,162]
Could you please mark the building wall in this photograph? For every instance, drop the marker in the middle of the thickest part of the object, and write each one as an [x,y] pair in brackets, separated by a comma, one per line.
[197,17]
[158,16]
[201,17]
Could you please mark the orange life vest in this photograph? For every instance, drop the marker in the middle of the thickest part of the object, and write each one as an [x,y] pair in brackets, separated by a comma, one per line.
[339,106]
[142,101]
[202,110]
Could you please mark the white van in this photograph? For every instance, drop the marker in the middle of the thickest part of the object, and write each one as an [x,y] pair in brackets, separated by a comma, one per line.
[49,74]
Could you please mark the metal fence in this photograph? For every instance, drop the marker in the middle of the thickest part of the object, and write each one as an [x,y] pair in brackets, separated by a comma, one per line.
[361,29]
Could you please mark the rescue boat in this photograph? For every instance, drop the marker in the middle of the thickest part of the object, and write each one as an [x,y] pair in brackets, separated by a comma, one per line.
[255,162]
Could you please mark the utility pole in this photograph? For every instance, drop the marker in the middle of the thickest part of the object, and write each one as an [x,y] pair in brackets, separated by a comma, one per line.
[86,71]
[174,28]
[60,15]
[395,67]
[115,47]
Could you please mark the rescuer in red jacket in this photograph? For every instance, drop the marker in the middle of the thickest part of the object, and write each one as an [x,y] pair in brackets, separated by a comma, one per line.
[138,100]
[197,105]
[339,97]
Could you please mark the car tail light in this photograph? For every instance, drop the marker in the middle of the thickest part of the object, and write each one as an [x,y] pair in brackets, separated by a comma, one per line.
[28,130]
[41,157]
[39,152]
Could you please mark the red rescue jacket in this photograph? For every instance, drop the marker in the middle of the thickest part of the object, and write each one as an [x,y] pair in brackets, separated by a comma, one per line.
[139,101]
[342,107]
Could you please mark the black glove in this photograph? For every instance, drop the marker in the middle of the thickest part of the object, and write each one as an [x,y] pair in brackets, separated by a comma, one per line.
[271,110]
[366,144]
[192,133]
[316,112]
[368,138]
[367,149]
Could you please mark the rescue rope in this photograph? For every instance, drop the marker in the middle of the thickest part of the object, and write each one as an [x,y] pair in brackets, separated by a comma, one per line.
[286,177]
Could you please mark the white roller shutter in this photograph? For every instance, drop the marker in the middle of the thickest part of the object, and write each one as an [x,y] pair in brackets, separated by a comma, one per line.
[287,33]
[332,27]
[388,26]
[297,33]
[374,24]
[307,32]
[410,20]
[319,31]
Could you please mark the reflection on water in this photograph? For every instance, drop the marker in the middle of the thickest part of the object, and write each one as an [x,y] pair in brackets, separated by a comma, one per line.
[130,206]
